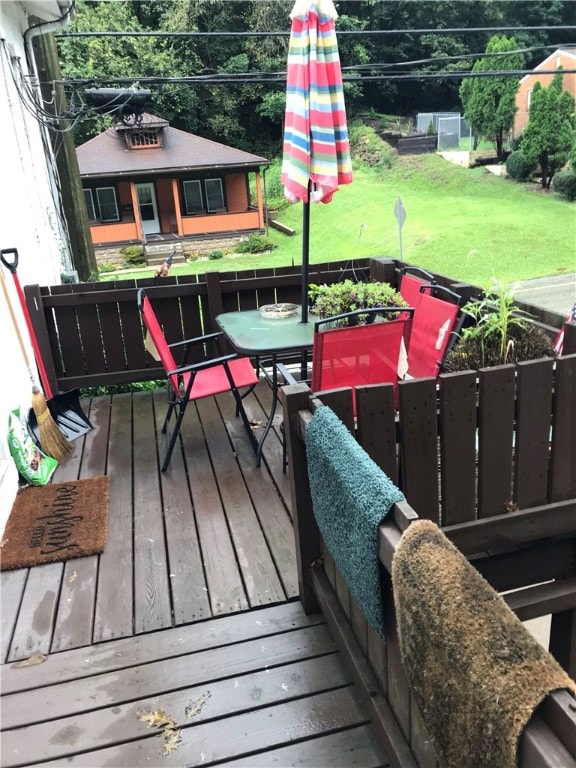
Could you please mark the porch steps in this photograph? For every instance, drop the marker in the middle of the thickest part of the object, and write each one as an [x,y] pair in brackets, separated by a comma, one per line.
[158,252]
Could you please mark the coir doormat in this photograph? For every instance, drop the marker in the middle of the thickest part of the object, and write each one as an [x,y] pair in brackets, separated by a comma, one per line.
[55,522]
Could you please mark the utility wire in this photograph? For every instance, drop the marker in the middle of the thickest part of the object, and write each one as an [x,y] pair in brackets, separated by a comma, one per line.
[343,33]
[211,80]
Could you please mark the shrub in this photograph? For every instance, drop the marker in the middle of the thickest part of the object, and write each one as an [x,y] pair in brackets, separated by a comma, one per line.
[215,254]
[346,296]
[133,255]
[255,244]
[564,184]
[367,147]
[518,167]
[107,266]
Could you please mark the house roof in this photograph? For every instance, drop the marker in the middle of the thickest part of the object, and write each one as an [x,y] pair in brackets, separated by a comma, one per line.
[108,154]
[550,61]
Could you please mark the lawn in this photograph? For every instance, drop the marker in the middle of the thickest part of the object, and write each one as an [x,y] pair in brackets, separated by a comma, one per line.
[464,223]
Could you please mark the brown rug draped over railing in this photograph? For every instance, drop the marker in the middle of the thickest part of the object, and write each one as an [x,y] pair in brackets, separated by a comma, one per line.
[466,653]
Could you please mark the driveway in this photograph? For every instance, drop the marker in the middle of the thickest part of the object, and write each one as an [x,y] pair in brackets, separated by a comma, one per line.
[556,294]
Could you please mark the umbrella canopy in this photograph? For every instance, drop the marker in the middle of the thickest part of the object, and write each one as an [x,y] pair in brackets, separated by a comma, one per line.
[316,151]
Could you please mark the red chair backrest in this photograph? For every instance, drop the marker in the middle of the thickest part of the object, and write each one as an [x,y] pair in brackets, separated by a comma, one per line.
[410,288]
[153,326]
[434,322]
[358,355]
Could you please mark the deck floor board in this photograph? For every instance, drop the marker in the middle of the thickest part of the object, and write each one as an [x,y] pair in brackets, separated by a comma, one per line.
[193,600]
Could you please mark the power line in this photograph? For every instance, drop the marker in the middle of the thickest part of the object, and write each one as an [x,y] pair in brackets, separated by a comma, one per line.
[343,33]
[273,78]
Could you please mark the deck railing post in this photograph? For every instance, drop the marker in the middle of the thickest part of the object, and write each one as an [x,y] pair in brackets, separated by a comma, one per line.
[36,310]
[295,398]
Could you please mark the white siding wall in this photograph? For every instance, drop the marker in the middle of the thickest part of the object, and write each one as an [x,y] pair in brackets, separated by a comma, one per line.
[28,218]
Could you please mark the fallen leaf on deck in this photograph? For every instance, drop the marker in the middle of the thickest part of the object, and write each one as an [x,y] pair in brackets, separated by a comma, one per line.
[168,726]
[30,662]
[158,719]
[195,707]
[172,741]
[255,423]
[73,577]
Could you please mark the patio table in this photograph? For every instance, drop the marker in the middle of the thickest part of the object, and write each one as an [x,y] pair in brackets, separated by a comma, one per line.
[252,335]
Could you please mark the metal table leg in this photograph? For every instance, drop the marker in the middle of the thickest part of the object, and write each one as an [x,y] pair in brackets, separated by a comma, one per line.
[274,385]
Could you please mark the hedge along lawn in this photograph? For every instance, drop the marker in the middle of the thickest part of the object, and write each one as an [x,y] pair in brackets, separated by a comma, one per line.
[464,223]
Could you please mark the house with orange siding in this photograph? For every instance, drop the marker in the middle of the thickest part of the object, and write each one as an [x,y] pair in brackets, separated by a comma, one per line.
[564,58]
[149,180]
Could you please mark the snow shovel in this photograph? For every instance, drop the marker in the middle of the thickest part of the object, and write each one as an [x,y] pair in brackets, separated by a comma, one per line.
[65,407]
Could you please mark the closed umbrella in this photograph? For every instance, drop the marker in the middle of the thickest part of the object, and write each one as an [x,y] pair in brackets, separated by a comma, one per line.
[316,151]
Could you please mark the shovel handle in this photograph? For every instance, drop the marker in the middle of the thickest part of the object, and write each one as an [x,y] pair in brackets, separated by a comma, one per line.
[10,265]
[15,324]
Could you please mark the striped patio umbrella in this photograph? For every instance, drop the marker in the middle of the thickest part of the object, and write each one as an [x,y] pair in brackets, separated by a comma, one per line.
[316,152]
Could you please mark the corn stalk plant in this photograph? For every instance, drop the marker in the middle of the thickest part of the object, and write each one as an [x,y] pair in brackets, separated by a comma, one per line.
[495,315]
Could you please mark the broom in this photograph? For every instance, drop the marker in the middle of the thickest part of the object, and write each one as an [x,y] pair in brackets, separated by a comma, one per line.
[52,441]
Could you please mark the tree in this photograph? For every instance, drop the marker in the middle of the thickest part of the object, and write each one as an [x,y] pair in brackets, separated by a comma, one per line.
[549,135]
[489,102]
[109,57]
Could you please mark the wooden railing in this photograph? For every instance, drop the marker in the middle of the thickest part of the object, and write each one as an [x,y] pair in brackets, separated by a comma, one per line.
[490,458]
[91,334]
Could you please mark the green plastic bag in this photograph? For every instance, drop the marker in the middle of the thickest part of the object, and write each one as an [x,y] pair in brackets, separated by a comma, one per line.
[31,463]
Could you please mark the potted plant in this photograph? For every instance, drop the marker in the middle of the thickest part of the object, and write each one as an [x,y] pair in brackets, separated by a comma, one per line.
[346,296]
[500,333]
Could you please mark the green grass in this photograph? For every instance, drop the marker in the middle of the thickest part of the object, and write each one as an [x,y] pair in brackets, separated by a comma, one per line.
[464,223]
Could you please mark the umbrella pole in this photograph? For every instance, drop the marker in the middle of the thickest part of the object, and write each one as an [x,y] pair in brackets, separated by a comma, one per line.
[305,256]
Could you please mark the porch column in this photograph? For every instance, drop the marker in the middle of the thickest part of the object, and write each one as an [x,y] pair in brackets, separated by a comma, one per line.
[177,208]
[136,207]
[261,222]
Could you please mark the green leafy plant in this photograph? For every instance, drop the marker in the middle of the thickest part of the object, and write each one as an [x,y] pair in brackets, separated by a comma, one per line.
[255,244]
[519,167]
[346,296]
[107,266]
[216,254]
[495,316]
[564,185]
[133,255]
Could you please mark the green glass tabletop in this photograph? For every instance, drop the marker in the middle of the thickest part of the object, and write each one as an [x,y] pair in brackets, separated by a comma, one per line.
[251,334]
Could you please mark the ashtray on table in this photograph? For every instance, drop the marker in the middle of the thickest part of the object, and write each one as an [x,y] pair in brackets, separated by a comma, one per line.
[278,311]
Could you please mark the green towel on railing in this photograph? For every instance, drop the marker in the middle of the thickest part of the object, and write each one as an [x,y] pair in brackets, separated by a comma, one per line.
[351,496]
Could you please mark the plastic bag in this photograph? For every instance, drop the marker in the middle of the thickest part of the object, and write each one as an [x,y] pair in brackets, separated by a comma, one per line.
[32,464]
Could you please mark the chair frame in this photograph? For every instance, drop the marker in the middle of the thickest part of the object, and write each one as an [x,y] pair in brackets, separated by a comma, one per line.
[179,396]
[450,297]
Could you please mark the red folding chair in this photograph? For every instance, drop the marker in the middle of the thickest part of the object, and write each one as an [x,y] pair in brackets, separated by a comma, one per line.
[411,280]
[357,355]
[436,323]
[371,352]
[186,382]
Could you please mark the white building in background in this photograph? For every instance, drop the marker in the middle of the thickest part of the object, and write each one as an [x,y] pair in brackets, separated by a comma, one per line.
[31,219]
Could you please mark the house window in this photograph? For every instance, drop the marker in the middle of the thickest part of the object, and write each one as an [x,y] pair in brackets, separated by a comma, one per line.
[203,196]
[193,197]
[107,204]
[142,139]
[90,204]
[214,195]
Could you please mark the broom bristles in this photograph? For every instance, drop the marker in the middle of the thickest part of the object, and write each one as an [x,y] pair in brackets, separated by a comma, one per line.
[52,440]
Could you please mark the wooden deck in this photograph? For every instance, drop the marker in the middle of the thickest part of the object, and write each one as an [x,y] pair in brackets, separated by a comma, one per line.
[193,603]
